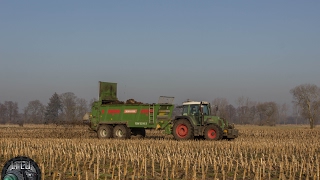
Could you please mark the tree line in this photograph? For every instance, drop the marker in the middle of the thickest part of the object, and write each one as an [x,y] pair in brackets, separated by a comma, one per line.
[65,108]
[68,108]
[251,112]
[306,109]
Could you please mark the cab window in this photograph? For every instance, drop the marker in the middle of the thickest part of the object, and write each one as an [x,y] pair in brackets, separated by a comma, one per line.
[205,110]
[185,110]
[194,109]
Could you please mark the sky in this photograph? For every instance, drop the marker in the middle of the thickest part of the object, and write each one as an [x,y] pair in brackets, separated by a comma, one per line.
[199,50]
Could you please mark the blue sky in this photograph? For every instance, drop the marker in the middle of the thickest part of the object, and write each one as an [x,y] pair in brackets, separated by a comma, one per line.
[199,50]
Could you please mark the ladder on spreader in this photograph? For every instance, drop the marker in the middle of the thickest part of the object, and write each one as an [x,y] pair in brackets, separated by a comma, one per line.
[151,114]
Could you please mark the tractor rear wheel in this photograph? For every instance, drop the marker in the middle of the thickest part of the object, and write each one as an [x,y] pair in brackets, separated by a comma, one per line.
[182,130]
[121,132]
[213,132]
[104,132]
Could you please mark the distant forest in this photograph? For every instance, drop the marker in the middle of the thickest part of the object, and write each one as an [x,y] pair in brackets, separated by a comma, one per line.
[67,108]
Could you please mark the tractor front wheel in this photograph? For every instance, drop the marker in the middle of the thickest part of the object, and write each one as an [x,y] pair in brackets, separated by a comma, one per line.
[213,132]
[182,130]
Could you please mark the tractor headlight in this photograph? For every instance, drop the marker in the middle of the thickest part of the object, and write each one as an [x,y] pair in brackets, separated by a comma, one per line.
[225,131]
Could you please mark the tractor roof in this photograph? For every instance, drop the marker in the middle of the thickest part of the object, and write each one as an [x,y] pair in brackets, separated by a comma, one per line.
[194,102]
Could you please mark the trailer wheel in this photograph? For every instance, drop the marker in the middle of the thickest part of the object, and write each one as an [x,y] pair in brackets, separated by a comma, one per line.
[213,132]
[121,132]
[104,131]
[182,130]
[139,132]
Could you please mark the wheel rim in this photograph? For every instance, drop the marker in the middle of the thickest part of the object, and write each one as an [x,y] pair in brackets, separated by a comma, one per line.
[182,130]
[212,134]
[103,133]
[119,133]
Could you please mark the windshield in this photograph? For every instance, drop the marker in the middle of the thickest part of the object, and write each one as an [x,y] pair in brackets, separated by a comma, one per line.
[194,110]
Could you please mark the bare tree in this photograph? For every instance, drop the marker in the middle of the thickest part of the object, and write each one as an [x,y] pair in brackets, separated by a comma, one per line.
[241,109]
[92,102]
[231,113]
[34,112]
[284,109]
[3,113]
[9,112]
[252,116]
[246,110]
[81,108]
[307,98]
[297,119]
[268,113]
[221,103]
[69,105]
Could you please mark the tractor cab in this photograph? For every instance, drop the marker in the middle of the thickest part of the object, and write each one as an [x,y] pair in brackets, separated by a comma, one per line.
[197,110]
[194,108]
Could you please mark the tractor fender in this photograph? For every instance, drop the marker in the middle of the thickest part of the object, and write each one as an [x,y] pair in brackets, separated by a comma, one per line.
[184,117]
[209,121]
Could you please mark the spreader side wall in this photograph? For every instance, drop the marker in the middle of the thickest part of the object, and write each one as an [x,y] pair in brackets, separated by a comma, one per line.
[134,116]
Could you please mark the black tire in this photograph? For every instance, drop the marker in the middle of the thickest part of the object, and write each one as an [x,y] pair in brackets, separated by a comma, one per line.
[182,130]
[213,133]
[104,132]
[139,132]
[121,132]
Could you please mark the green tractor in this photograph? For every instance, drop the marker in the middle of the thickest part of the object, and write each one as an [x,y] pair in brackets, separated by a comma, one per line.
[196,121]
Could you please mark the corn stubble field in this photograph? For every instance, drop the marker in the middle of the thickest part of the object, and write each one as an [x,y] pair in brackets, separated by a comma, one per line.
[281,152]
